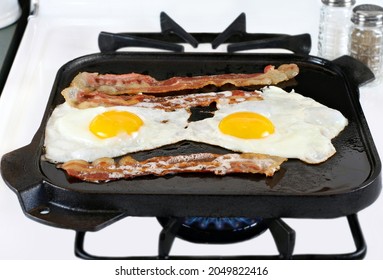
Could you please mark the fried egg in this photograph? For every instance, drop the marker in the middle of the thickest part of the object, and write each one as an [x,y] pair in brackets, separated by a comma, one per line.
[89,134]
[282,124]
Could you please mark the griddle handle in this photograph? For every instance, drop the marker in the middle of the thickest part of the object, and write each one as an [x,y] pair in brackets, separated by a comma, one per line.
[355,70]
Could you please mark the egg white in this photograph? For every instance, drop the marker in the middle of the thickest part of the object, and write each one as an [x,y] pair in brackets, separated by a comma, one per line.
[303,127]
[68,137]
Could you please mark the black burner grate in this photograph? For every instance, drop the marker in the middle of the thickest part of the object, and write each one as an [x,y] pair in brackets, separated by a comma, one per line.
[283,234]
[173,35]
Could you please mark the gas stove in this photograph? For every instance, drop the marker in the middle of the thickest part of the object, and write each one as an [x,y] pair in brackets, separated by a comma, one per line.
[164,238]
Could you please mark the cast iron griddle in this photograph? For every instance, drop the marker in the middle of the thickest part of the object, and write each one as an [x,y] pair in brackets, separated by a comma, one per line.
[345,184]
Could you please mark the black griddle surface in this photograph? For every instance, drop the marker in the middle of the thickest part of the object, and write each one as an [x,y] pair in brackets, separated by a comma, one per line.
[345,184]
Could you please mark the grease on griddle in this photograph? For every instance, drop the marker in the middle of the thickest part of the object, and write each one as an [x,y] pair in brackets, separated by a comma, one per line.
[199,113]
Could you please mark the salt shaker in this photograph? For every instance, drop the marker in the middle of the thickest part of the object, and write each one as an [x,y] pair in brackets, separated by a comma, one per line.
[366,37]
[334,28]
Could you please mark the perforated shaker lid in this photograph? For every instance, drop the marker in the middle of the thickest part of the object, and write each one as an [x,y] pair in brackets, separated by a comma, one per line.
[339,3]
[368,15]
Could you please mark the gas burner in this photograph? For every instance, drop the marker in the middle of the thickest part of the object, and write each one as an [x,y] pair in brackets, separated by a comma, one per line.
[218,230]
[221,224]
[173,35]
[283,235]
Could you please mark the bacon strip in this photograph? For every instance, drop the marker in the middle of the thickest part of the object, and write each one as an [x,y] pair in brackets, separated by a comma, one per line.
[83,100]
[106,169]
[134,83]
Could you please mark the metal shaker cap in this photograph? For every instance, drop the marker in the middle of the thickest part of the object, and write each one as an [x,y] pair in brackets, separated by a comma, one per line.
[339,3]
[368,15]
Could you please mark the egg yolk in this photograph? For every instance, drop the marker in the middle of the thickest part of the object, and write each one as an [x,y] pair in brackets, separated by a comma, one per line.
[246,125]
[111,123]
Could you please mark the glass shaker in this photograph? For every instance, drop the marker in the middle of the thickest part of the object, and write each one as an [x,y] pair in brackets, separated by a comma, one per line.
[366,37]
[334,28]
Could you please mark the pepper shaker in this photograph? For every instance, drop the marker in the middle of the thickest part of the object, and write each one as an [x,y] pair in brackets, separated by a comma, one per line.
[366,37]
[334,28]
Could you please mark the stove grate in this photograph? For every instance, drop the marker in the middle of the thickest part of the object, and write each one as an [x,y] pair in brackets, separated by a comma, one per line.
[172,36]
[283,235]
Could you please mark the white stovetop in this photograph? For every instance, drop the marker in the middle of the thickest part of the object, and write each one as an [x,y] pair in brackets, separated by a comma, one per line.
[63,30]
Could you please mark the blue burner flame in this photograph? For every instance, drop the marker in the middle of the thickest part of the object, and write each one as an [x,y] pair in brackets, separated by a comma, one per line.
[221,223]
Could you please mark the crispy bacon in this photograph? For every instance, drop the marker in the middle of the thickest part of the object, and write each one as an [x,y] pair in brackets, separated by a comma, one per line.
[93,89]
[83,100]
[134,83]
[107,169]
